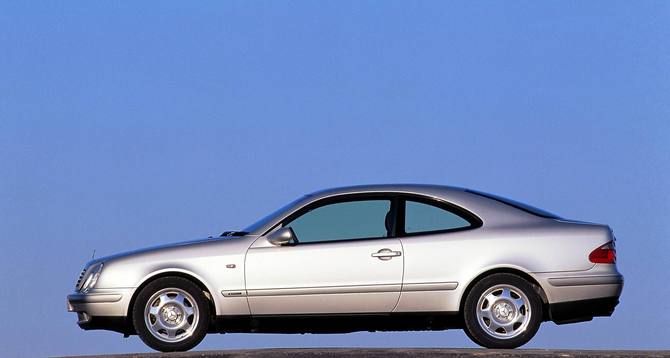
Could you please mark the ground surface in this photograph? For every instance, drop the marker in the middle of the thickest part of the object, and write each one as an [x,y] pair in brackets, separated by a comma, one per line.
[399,352]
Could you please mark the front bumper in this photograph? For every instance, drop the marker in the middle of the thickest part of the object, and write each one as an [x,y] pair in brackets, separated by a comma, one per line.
[102,309]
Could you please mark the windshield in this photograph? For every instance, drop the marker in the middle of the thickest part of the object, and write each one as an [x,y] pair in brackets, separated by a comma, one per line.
[521,206]
[270,217]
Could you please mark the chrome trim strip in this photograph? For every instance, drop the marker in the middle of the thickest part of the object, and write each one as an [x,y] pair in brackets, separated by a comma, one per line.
[429,286]
[240,293]
[323,290]
[586,280]
[94,298]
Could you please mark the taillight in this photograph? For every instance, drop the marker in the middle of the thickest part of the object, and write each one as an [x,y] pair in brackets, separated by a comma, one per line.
[605,254]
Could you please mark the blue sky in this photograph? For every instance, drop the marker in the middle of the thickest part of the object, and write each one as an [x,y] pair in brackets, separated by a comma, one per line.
[126,125]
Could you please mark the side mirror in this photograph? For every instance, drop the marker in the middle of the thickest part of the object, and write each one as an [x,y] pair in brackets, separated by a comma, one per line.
[283,236]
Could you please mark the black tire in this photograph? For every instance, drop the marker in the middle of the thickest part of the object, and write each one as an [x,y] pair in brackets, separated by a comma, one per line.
[479,334]
[199,329]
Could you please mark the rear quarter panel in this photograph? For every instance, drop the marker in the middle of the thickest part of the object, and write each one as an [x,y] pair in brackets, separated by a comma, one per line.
[534,247]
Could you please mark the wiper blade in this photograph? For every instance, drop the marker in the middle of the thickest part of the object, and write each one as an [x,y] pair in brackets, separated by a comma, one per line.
[234,233]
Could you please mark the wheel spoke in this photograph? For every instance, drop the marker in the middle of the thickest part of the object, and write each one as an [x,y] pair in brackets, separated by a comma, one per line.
[518,303]
[509,328]
[493,325]
[179,298]
[485,312]
[163,300]
[188,311]
[506,294]
[157,325]
[154,310]
[185,325]
[520,318]
[171,332]
[491,299]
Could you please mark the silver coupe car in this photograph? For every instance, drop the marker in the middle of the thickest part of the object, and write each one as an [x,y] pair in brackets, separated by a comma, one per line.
[363,258]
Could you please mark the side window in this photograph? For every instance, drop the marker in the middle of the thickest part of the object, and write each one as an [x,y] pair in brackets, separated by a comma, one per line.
[421,217]
[343,221]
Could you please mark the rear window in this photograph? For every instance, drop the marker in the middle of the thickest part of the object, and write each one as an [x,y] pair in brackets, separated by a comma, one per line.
[513,203]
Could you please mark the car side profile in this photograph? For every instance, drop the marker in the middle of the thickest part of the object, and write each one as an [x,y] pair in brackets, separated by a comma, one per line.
[363,258]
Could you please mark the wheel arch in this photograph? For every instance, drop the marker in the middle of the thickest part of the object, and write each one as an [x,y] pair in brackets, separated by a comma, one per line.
[171,273]
[511,270]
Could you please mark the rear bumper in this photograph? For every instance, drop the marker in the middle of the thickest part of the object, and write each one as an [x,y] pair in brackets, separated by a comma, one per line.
[576,296]
[582,310]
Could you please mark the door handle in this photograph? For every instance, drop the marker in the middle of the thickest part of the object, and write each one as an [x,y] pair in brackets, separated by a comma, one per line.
[386,254]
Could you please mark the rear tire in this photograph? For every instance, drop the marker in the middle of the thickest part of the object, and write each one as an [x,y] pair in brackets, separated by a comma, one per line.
[171,314]
[502,311]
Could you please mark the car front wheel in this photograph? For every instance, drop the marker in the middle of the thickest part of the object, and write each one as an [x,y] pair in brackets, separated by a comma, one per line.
[502,311]
[171,314]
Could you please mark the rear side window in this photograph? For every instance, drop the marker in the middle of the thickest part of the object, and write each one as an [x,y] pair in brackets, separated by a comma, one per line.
[422,218]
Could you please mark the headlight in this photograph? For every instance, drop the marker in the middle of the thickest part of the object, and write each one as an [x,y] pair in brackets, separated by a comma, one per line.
[91,277]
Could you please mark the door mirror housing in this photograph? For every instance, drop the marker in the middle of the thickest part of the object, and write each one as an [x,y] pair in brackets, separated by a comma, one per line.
[283,236]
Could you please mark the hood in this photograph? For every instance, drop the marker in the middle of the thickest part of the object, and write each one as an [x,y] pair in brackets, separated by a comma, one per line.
[164,247]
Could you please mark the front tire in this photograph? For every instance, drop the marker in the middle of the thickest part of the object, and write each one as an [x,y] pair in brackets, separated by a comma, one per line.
[171,314]
[502,311]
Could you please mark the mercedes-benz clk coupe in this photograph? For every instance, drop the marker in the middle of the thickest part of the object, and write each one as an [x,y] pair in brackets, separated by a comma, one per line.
[363,258]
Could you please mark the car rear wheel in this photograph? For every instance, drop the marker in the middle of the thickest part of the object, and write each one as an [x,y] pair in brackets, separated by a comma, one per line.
[171,314]
[502,311]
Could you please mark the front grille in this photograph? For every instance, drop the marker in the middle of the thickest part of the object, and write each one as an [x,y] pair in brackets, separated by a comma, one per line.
[77,286]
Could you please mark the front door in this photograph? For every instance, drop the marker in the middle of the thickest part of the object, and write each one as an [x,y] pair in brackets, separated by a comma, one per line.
[346,260]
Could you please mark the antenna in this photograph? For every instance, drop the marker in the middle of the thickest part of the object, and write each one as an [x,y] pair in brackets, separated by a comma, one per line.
[93,256]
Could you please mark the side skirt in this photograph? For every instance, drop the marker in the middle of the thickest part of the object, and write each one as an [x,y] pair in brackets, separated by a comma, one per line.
[338,323]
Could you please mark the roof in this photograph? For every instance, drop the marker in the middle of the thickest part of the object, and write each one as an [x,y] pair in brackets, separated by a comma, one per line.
[372,188]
